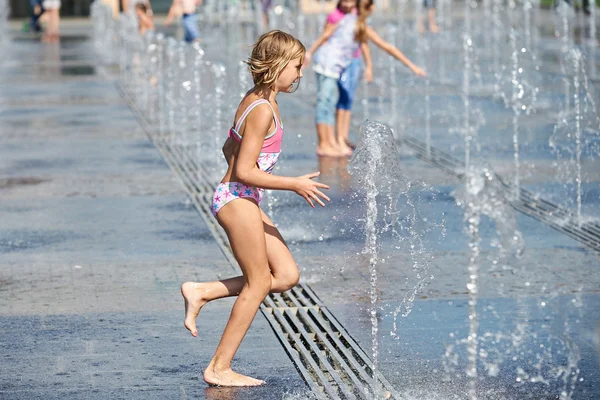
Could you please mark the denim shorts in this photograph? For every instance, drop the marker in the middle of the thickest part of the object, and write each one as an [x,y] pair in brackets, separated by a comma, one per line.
[347,85]
[327,95]
[190,27]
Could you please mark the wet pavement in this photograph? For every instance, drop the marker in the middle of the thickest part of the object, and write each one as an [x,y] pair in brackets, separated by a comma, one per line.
[100,235]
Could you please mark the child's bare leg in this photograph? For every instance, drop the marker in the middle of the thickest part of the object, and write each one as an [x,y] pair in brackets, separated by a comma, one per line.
[342,122]
[284,276]
[239,219]
[433,26]
[326,145]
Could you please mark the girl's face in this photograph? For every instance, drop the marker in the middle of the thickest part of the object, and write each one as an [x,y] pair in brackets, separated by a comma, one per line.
[290,76]
[346,6]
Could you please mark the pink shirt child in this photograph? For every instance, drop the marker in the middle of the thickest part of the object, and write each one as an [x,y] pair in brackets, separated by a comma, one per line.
[334,17]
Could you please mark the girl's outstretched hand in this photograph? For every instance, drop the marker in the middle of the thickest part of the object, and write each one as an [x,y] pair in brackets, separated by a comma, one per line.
[368,75]
[309,189]
[419,72]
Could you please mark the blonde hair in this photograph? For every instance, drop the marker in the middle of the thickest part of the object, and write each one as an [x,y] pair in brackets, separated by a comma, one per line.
[271,54]
[361,25]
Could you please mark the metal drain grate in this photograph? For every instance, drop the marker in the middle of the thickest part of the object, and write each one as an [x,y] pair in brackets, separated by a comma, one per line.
[555,216]
[330,361]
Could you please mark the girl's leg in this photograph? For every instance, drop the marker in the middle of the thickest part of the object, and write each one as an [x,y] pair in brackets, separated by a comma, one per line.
[56,25]
[325,116]
[48,31]
[342,122]
[347,85]
[242,221]
[433,26]
[284,276]
[326,145]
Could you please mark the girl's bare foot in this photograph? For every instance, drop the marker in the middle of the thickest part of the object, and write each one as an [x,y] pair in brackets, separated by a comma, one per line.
[331,151]
[192,293]
[344,149]
[229,378]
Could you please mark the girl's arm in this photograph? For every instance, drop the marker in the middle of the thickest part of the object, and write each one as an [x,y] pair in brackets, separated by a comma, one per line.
[173,11]
[327,32]
[146,21]
[393,51]
[247,172]
[364,48]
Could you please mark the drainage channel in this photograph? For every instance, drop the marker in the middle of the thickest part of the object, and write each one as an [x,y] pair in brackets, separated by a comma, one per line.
[555,216]
[332,364]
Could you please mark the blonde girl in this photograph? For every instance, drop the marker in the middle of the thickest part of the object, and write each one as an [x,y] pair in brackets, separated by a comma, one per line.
[252,150]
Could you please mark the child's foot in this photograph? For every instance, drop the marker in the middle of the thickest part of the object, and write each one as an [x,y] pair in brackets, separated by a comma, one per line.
[328,152]
[344,149]
[229,378]
[192,296]
[434,28]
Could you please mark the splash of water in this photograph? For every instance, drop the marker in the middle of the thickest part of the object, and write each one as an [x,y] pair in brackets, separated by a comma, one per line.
[375,165]
[576,133]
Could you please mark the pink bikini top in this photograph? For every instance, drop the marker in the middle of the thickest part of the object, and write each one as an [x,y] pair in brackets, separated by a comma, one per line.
[273,140]
[271,148]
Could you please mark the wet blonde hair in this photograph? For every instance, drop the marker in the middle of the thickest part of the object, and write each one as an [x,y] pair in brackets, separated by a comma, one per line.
[271,54]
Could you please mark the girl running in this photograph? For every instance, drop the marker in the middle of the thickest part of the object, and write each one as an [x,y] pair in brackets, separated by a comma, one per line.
[252,150]
[334,51]
[348,77]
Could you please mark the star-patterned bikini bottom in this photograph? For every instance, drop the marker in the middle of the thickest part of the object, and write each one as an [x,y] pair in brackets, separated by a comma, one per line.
[228,191]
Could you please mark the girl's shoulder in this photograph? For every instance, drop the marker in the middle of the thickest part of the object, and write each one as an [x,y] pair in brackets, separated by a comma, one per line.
[335,16]
[252,100]
[261,107]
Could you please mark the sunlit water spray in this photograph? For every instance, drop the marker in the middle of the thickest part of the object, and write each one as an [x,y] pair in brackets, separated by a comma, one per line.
[390,212]
[577,134]
[375,164]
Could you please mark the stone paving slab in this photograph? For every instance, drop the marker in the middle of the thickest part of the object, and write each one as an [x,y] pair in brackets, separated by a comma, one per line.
[129,353]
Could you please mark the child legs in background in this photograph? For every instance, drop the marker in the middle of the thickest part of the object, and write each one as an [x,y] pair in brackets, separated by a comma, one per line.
[36,12]
[52,9]
[325,116]
[347,85]
[190,27]
[429,5]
